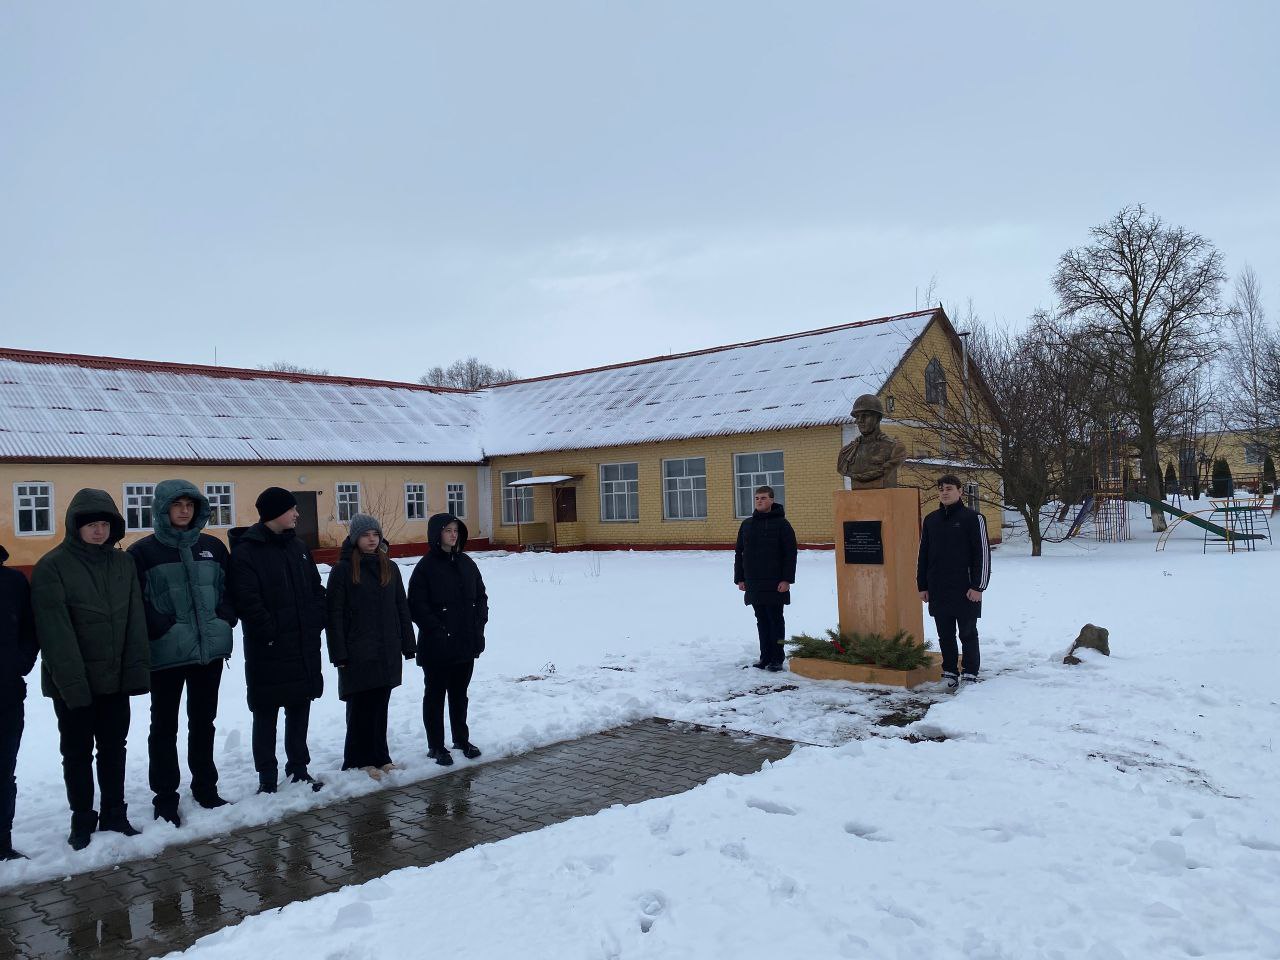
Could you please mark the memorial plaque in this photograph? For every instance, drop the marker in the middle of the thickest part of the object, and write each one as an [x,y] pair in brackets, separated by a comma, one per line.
[862,542]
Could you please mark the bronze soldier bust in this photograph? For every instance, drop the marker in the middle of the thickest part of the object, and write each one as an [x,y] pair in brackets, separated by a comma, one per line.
[872,460]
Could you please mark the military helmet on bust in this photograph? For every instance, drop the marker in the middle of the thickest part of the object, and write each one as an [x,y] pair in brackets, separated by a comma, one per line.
[868,403]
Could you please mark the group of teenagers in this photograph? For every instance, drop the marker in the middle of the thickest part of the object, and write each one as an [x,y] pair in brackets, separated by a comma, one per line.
[111,624]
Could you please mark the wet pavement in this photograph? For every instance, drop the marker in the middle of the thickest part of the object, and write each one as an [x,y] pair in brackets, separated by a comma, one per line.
[147,908]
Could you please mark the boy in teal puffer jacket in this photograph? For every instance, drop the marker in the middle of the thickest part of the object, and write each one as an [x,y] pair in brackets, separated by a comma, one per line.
[183,574]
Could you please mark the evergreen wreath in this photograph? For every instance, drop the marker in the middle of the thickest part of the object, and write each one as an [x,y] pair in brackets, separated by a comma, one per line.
[899,652]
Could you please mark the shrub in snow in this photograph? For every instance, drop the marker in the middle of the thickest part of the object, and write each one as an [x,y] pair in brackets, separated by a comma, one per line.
[1170,479]
[1222,483]
[899,652]
[1268,474]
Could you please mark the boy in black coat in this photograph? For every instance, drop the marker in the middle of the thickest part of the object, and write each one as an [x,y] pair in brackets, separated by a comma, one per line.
[448,602]
[764,568]
[17,657]
[278,596]
[953,570]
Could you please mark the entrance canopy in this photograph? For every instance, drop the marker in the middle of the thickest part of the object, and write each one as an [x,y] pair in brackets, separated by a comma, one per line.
[543,481]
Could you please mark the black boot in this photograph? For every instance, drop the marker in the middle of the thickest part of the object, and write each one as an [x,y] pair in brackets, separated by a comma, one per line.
[469,749]
[266,786]
[116,820]
[441,756]
[167,810]
[82,827]
[210,801]
[6,847]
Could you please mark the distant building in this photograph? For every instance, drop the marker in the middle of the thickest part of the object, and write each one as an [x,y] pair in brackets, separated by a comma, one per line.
[658,452]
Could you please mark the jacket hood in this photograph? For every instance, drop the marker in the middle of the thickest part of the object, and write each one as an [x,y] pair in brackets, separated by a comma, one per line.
[436,525]
[90,500]
[168,491]
[775,511]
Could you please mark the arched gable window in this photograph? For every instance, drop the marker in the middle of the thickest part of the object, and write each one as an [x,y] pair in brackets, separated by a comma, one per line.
[935,383]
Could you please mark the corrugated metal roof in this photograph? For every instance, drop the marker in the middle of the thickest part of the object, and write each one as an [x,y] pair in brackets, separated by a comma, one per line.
[796,381]
[56,407]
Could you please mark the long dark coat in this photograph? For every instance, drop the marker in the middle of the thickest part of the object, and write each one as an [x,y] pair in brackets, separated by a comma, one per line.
[368,630]
[765,555]
[17,632]
[88,611]
[954,558]
[447,599]
[277,593]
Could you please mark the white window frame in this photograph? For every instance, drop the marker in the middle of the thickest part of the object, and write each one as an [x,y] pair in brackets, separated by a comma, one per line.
[609,492]
[411,490]
[516,501]
[230,494]
[18,508]
[150,496]
[456,499]
[342,499]
[757,478]
[679,489]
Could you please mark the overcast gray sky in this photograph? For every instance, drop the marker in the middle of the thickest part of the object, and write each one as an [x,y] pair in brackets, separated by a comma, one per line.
[377,187]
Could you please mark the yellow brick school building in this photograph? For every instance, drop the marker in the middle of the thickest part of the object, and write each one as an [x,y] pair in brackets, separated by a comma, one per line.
[658,452]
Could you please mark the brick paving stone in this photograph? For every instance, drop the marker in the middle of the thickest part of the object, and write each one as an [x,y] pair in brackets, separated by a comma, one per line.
[151,907]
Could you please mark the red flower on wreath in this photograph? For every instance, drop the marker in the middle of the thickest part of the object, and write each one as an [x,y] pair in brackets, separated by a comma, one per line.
[836,644]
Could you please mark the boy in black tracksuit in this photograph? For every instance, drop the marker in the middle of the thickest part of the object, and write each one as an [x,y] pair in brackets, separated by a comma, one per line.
[954,569]
[17,657]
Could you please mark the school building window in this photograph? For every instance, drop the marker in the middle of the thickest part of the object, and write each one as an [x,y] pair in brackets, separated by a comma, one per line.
[1255,454]
[517,502]
[456,499]
[32,509]
[684,488]
[935,383]
[415,501]
[751,470]
[348,501]
[222,510]
[619,491]
[137,505]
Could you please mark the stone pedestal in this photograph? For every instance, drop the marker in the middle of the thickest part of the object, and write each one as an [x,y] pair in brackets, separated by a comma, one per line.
[877,534]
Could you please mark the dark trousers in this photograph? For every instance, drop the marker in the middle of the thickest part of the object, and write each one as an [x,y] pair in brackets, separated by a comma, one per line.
[104,724]
[296,717]
[968,639]
[202,684]
[772,629]
[12,717]
[451,680]
[366,744]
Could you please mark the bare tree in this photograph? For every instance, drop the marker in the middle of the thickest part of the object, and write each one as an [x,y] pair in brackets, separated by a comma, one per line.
[1248,362]
[469,374]
[1033,452]
[284,366]
[1144,295]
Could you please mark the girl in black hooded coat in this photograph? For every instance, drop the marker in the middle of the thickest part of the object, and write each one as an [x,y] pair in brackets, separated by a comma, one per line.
[447,601]
[369,631]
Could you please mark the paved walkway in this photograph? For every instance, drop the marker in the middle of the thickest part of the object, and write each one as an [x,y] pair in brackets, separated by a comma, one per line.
[149,907]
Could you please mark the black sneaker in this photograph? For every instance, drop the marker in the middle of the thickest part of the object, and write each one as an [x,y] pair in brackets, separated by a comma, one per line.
[304,777]
[6,847]
[441,756]
[774,668]
[266,786]
[469,750]
[82,827]
[760,665]
[211,801]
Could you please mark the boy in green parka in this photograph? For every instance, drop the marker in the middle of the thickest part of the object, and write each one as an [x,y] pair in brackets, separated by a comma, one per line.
[183,574]
[94,655]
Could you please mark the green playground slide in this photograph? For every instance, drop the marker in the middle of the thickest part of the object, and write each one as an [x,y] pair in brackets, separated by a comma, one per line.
[1213,528]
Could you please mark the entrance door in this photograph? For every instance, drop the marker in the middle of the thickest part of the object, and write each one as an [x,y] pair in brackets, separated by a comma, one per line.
[308,529]
[566,505]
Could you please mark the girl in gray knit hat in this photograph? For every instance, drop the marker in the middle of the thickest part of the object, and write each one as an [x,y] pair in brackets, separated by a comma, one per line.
[370,634]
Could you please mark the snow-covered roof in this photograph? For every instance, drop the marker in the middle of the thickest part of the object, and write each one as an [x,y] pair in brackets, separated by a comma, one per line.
[65,408]
[799,380]
[61,407]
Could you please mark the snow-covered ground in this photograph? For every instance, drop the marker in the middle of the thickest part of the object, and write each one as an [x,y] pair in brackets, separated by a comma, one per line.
[1126,807]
